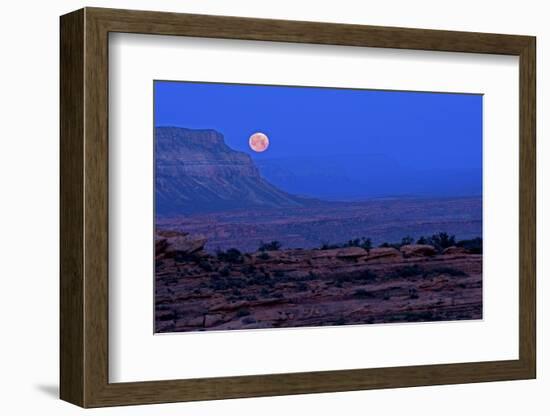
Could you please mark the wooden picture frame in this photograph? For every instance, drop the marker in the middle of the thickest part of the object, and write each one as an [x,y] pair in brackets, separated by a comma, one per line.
[84,207]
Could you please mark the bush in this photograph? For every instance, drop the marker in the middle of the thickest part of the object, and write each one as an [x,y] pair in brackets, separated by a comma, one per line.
[248,269]
[219,284]
[407,240]
[271,246]
[205,265]
[474,246]
[362,242]
[390,245]
[422,240]
[259,279]
[264,256]
[441,241]
[327,246]
[353,243]
[232,255]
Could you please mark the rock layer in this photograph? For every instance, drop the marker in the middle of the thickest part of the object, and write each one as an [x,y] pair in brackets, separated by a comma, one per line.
[195,171]
[197,291]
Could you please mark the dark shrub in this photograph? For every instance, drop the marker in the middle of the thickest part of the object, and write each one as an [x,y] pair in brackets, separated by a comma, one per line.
[225,272]
[390,245]
[327,246]
[264,256]
[441,241]
[248,269]
[474,246]
[259,279]
[353,243]
[366,244]
[205,265]
[237,282]
[232,255]
[407,240]
[271,246]
[422,240]
[219,284]
[362,242]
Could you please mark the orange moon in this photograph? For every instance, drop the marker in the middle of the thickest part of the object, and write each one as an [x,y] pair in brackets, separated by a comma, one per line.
[258,142]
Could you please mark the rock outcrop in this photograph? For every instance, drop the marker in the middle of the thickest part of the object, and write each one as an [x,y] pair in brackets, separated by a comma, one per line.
[384,254]
[455,250]
[173,243]
[195,171]
[418,250]
[197,291]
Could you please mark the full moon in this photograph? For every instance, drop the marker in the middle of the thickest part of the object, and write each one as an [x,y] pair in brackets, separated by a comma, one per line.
[258,142]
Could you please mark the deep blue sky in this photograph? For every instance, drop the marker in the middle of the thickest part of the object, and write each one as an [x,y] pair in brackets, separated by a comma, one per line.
[432,130]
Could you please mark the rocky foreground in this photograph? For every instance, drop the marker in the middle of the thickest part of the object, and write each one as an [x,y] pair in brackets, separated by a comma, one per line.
[198,291]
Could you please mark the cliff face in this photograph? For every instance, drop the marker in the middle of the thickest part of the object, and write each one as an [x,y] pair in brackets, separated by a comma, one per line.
[195,171]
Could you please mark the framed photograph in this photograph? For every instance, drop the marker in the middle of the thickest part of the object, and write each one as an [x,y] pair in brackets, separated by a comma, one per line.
[255,207]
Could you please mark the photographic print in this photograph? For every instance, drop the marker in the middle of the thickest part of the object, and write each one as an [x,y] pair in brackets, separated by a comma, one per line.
[291,206]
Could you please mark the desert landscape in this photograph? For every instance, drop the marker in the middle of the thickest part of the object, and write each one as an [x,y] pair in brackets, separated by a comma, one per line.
[277,288]
[233,251]
[280,207]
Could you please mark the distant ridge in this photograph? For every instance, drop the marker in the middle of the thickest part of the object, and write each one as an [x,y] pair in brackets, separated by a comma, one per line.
[351,177]
[195,171]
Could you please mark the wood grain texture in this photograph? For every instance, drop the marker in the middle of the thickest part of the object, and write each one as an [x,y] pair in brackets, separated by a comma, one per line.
[527,208]
[84,207]
[71,99]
